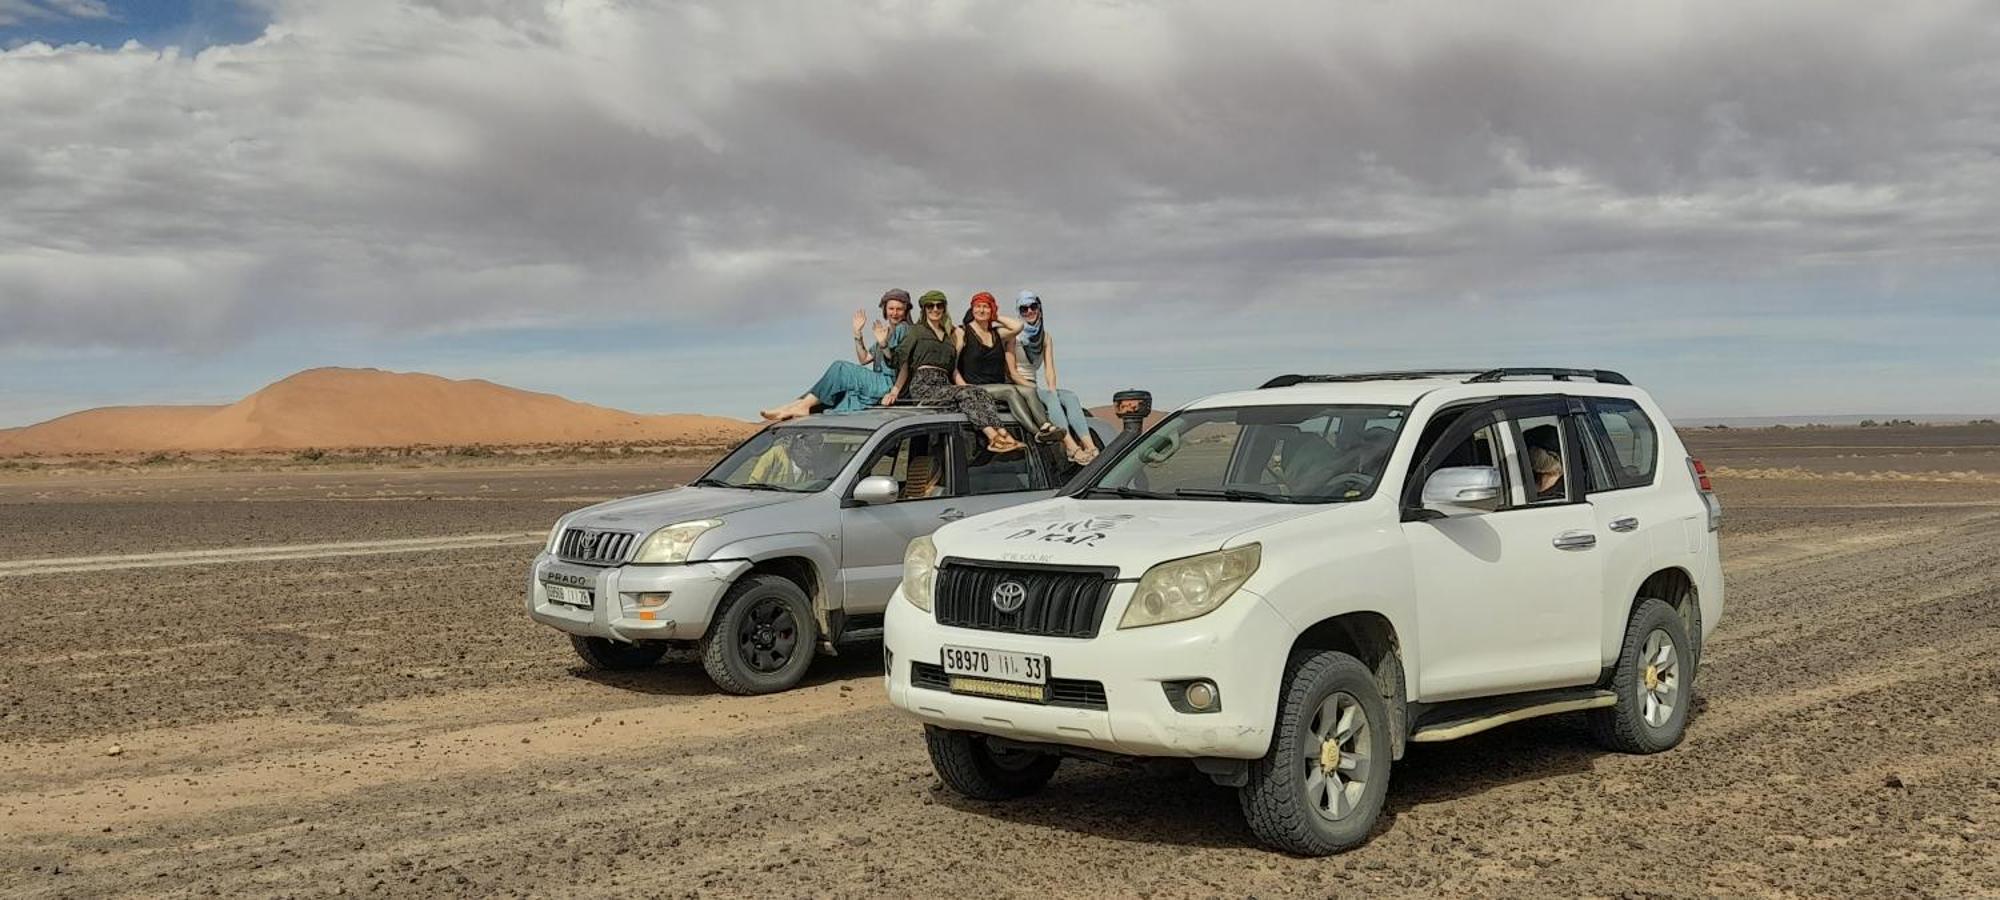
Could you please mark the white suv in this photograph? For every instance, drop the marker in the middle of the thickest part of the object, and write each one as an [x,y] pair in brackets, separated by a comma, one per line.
[1288,585]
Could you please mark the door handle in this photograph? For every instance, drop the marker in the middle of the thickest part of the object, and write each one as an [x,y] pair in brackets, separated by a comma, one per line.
[1625,523]
[1575,540]
[951,515]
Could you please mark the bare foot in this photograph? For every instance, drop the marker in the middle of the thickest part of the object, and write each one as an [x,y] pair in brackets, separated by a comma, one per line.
[1004,444]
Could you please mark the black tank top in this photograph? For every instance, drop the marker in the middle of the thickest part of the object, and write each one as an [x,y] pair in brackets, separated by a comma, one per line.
[981,364]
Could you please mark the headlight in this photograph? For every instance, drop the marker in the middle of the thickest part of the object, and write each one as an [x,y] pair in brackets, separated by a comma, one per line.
[1195,586]
[920,572]
[672,543]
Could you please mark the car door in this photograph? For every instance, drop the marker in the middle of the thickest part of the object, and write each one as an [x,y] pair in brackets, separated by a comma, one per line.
[1509,599]
[873,538]
[1635,527]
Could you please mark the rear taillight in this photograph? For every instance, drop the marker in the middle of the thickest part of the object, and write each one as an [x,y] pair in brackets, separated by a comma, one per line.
[1701,476]
[1707,488]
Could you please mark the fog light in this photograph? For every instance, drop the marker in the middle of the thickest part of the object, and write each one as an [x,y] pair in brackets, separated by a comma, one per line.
[651,601]
[1198,695]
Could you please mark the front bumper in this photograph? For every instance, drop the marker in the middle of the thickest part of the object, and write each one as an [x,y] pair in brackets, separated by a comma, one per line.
[694,589]
[1241,647]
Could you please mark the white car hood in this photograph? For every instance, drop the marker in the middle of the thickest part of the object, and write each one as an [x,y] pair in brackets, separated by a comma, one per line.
[1132,535]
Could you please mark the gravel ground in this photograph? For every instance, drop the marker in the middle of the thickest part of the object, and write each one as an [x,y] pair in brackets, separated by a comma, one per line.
[392,724]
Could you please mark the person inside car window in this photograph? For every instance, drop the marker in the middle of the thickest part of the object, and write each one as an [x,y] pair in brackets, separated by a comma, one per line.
[1545,459]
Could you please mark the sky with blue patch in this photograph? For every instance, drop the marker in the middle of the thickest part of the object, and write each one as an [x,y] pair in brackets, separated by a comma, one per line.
[188,24]
[678,207]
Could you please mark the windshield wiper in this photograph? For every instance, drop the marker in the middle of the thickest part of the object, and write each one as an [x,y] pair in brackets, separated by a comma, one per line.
[1125,492]
[752,486]
[1235,494]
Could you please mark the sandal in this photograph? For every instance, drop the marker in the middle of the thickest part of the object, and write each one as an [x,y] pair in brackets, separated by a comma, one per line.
[1049,434]
[1007,445]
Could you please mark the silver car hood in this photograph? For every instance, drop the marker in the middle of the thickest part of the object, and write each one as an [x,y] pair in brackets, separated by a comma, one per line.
[671,507]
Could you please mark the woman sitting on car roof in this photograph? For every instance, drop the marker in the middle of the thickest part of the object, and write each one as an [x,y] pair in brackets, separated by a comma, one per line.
[924,367]
[986,362]
[854,386]
[1035,358]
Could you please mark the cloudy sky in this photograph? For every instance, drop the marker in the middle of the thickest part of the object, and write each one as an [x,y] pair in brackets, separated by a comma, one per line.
[1752,208]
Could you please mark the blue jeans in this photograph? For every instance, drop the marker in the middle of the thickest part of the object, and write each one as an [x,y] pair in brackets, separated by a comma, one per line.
[1066,413]
[851,387]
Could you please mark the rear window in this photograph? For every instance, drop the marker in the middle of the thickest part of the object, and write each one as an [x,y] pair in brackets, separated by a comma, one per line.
[1631,443]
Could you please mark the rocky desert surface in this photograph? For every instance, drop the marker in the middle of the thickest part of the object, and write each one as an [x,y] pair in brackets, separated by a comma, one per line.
[317,683]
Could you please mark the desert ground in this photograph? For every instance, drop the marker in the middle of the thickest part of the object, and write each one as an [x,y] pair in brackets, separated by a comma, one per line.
[320,682]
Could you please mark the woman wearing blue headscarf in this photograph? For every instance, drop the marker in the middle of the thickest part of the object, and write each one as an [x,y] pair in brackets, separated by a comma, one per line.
[1035,352]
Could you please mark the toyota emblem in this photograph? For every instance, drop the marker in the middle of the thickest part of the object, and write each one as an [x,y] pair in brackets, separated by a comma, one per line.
[1010,596]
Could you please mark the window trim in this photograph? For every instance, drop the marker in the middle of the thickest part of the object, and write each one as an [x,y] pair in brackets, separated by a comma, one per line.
[891,439]
[962,460]
[1505,411]
[1595,426]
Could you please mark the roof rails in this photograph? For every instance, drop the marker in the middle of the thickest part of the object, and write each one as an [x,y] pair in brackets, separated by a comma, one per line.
[1398,375]
[1601,376]
[1470,376]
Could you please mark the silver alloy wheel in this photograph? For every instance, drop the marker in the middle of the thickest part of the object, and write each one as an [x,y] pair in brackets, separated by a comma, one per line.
[1337,763]
[1659,681]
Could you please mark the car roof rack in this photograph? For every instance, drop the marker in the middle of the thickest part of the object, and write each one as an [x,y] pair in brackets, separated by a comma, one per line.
[1470,376]
[1397,375]
[1601,376]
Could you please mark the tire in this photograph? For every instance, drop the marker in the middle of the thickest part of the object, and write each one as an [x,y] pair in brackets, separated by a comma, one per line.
[763,637]
[1292,802]
[1653,681]
[973,768]
[607,655]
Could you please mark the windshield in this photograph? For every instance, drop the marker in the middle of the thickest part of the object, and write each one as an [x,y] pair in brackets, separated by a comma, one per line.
[1303,453]
[800,459]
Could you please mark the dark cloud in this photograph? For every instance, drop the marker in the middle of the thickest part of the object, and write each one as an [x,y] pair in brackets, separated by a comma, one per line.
[400,167]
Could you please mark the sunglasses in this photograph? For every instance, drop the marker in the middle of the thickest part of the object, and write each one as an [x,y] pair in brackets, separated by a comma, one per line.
[931,305]
[1031,307]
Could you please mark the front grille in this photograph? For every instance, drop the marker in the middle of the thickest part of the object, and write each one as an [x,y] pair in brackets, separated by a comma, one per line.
[1059,602]
[593,547]
[1077,693]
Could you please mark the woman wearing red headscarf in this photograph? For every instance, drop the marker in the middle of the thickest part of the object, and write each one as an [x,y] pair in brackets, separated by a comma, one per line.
[985,360]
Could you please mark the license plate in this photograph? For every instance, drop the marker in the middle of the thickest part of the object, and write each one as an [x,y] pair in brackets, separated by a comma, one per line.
[568,596]
[996,664]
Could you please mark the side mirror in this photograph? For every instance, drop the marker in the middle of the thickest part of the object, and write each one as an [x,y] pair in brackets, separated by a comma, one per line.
[1462,490]
[878,489]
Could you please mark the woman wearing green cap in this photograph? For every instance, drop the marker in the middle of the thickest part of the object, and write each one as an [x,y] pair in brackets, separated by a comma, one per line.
[924,366]
[854,386]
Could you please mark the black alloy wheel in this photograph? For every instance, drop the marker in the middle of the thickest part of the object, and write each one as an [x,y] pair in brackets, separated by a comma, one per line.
[768,635]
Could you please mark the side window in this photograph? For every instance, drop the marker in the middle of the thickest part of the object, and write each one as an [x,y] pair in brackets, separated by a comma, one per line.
[990,473]
[1545,458]
[919,461]
[1629,439]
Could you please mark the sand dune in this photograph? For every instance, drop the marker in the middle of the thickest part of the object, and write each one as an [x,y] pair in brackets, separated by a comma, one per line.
[334,408]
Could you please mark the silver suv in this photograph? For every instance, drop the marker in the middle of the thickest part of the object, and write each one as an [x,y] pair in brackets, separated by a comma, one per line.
[791,544]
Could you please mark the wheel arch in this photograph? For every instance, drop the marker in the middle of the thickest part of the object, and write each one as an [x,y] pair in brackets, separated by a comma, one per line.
[1372,638]
[800,558]
[1676,587]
